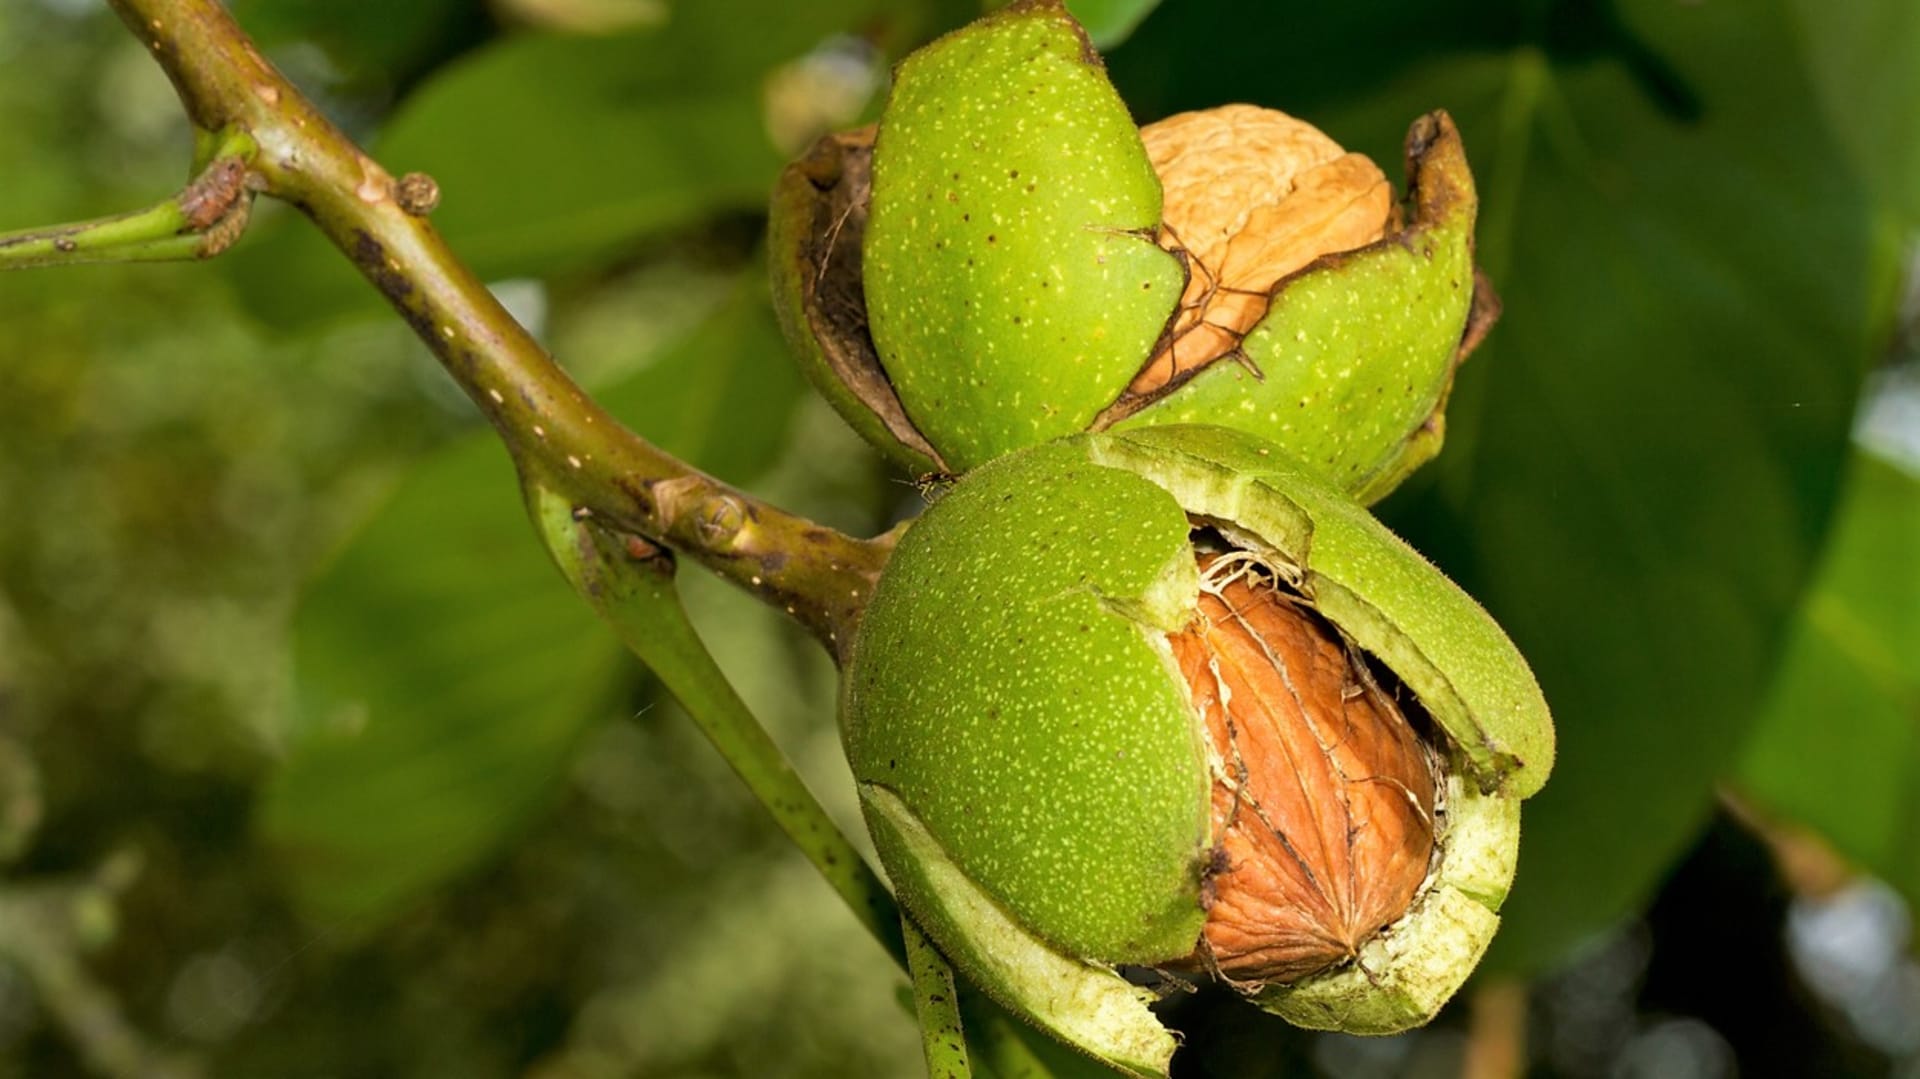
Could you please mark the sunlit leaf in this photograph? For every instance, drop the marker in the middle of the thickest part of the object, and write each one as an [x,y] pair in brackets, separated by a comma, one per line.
[1839,746]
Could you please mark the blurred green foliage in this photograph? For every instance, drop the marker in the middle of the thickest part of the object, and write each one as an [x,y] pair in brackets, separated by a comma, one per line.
[272,628]
[414,762]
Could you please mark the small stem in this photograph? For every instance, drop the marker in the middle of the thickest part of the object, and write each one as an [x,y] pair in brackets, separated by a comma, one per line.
[938,1006]
[203,220]
[1496,1030]
[631,585]
[819,576]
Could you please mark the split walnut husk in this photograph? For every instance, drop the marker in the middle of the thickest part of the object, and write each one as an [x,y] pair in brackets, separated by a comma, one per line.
[1006,259]
[1251,196]
[1166,699]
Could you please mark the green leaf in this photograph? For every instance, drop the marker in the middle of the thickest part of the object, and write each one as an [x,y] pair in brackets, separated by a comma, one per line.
[445,671]
[1653,453]
[556,151]
[444,674]
[1642,461]
[1864,57]
[1838,748]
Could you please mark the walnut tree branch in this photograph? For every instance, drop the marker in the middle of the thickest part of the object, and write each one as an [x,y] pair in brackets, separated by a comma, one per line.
[201,221]
[819,576]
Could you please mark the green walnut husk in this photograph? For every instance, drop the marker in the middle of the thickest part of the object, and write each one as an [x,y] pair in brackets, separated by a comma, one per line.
[1351,367]
[981,273]
[1035,774]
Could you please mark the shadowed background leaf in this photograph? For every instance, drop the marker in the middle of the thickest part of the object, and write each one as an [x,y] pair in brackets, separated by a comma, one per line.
[446,672]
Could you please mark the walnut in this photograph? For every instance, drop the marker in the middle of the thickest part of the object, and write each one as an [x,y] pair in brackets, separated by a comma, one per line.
[1323,793]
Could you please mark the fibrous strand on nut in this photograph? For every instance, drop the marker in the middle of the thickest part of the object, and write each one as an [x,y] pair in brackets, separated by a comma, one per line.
[1323,792]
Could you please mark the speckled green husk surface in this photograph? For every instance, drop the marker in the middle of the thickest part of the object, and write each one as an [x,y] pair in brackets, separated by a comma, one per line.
[1057,745]
[1012,280]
